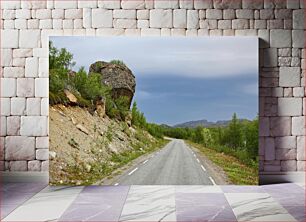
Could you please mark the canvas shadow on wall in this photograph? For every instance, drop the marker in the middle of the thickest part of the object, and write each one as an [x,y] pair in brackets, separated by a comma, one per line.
[153,111]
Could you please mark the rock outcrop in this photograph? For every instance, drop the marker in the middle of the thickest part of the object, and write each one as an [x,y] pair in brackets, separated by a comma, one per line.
[119,77]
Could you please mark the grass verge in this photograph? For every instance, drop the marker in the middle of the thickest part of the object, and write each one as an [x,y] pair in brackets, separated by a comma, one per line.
[237,172]
[103,169]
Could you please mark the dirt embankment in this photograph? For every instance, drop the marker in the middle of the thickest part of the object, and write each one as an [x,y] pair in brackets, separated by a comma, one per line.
[82,145]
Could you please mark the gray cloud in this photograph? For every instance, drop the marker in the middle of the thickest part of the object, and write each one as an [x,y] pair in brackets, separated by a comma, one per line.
[202,57]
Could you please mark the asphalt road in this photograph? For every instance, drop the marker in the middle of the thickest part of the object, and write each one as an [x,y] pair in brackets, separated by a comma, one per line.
[175,164]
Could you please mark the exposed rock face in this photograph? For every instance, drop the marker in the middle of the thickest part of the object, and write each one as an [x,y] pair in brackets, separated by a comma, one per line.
[119,77]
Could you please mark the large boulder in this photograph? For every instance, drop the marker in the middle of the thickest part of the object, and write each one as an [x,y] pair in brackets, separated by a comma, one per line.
[118,76]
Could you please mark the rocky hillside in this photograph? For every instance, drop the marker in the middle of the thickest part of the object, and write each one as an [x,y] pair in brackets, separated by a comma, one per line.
[85,148]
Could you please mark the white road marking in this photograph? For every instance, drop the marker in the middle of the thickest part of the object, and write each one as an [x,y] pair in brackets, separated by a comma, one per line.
[116,184]
[145,161]
[130,173]
[212,180]
[203,168]
[198,160]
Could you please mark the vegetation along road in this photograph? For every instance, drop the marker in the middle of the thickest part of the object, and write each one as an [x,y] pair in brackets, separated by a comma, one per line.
[175,164]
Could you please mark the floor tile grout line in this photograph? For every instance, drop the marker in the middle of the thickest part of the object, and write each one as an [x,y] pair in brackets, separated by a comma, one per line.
[21,204]
[127,194]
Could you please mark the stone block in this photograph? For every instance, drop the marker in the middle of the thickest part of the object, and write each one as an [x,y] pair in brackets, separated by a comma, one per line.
[240,24]
[264,38]
[43,67]
[10,72]
[20,148]
[252,4]
[143,14]
[8,14]
[208,24]
[285,142]
[160,18]
[13,125]
[141,24]
[34,126]
[229,14]
[280,38]
[34,165]
[214,14]
[44,107]
[245,14]
[165,32]
[124,14]
[10,4]
[295,62]
[180,18]
[298,92]
[285,154]
[88,4]
[31,67]
[298,38]
[20,23]
[125,23]
[110,32]
[65,4]
[9,38]
[102,18]
[42,142]
[19,62]
[269,149]
[5,107]
[264,126]
[58,13]
[192,19]
[166,4]
[284,61]
[203,4]
[29,38]
[290,106]
[285,52]
[280,126]
[260,24]
[25,87]
[22,53]
[18,166]
[3,132]
[45,165]
[33,106]
[283,13]
[41,87]
[298,19]
[8,87]
[298,126]
[186,4]
[68,24]
[87,18]
[43,13]
[33,4]
[227,4]
[42,154]
[288,165]
[270,57]
[18,106]
[109,4]
[293,4]
[224,24]
[137,4]
[23,14]
[301,166]
[73,13]
[289,76]
[301,148]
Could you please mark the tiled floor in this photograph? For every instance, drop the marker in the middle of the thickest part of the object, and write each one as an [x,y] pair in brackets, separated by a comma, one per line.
[38,202]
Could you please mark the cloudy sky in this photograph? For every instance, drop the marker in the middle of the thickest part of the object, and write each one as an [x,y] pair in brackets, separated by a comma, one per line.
[181,79]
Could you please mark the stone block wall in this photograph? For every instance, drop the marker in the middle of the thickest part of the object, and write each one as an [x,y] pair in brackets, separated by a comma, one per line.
[26,25]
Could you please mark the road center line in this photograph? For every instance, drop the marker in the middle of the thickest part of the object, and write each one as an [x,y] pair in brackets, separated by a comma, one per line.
[116,184]
[212,180]
[130,173]
[198,160]
[203,168]
[145,161]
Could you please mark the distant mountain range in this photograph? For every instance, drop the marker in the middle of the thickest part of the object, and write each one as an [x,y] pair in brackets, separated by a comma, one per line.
[205,123]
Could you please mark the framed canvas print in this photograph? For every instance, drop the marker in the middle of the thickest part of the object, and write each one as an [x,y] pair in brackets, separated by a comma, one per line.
[153,111]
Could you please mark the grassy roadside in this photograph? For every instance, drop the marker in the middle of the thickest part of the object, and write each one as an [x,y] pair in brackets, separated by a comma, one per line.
[237,172]
[105,169]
